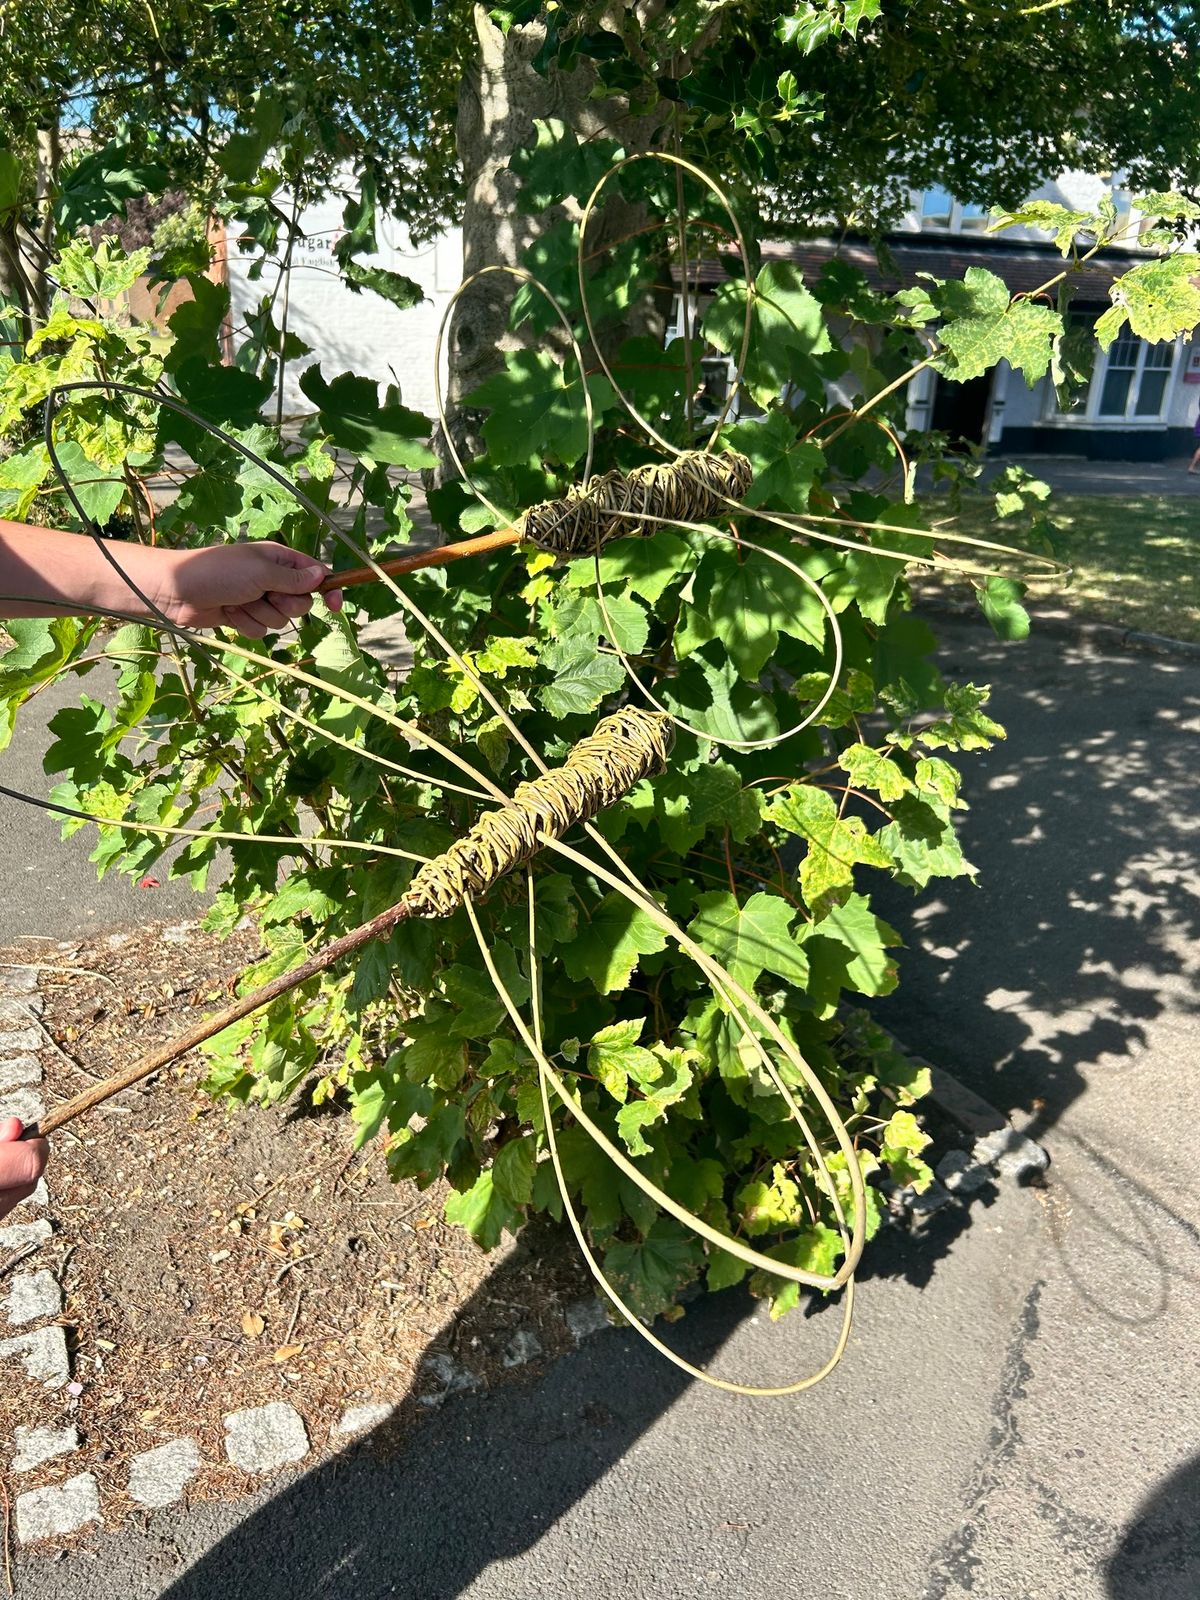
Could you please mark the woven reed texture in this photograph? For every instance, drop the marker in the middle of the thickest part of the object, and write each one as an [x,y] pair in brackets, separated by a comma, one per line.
[693,488]
[624,748]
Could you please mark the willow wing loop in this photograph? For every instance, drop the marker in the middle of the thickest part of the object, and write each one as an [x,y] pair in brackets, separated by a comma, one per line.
[624,748]
[618,505]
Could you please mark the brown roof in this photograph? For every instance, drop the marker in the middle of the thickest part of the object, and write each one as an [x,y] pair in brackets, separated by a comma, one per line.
[1022,267]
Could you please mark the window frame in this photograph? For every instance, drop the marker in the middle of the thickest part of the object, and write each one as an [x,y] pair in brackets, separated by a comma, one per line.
[1090,414]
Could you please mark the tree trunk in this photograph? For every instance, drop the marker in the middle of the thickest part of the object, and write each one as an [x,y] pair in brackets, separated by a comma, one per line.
[498,103]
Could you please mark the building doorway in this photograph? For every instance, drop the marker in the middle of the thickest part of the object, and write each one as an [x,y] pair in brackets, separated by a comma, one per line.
[961,409]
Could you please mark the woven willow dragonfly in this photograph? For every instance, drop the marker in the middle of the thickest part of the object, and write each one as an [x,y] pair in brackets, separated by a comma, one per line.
[688,490]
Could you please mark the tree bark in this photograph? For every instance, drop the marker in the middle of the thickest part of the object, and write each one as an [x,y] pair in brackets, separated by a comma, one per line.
[498,103]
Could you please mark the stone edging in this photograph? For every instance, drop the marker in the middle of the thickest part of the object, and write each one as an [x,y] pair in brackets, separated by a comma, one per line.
[1104,635]
[34,1352]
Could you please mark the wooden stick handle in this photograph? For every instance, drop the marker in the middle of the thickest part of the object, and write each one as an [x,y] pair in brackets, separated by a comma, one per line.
[377,928]
[439,556]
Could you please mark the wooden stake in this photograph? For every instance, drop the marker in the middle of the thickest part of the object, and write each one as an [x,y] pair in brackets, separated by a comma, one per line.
[441,555]
[377,928]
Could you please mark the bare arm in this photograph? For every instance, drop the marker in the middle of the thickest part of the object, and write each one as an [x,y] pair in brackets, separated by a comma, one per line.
[256,588]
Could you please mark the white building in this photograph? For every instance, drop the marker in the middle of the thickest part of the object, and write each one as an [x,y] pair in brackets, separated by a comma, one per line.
[1140,404]
[350,332]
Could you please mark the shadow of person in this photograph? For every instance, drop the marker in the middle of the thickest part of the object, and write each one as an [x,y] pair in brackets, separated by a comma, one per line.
[420,1511]
[1159,1553]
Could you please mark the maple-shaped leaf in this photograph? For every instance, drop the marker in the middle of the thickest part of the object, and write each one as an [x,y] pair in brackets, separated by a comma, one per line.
[582,677]
[483,1211]
[615,1055]
[674,1081]
[869,769]
[836,844]
[607,946]
[784,466]
[854,925]
[1158,299]
[787,328]
[746,600]
[537,409]
[982,325]
[650,1274]
[751,939]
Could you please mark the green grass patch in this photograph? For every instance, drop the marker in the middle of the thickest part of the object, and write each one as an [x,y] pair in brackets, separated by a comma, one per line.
[1135,558]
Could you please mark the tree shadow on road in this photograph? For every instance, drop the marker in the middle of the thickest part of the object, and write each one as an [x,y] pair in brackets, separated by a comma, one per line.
[424,1503]
[1159,1553]
[1085,920]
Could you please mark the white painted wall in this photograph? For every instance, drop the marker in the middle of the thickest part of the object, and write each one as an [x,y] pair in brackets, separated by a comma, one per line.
[349,332]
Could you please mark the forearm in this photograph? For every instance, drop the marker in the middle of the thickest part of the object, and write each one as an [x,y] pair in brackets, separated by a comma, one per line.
[45,572]
[257,587]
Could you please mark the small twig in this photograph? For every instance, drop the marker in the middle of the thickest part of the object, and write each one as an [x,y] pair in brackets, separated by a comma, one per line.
[287,1338]
[76,972]
[54,1044]
[7,1541]
[288,1265]
[18,1256]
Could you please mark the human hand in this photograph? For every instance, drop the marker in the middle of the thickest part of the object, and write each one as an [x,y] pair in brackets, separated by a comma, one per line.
[257,588]
[22,1162]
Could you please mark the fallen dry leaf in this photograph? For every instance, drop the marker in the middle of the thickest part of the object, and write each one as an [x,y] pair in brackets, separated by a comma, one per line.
[252,1324]
[287,1351]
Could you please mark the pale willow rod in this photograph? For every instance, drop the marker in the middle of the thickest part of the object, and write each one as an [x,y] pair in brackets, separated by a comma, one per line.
[601,769]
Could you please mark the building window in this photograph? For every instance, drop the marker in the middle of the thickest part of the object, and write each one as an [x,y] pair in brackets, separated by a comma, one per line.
[937,206]
[940,211]
[1136,375]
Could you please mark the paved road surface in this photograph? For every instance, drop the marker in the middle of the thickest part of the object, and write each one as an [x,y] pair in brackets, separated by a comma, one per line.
[1016,1416]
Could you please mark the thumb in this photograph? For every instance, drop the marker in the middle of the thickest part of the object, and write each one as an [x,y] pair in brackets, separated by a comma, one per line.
[10,1129]
[293,572]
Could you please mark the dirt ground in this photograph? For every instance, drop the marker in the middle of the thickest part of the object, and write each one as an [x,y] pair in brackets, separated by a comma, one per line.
[216,1258]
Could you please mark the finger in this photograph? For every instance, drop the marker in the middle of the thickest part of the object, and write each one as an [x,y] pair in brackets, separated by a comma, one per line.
[290,605]
[333,599]
[238,617]
[10,1128]
[266,615]
[292,571]
[23,1164]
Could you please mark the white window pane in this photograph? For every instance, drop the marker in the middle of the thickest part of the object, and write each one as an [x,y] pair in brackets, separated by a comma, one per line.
[1150,394]
[1116,391]
[935,205]
[1124,352]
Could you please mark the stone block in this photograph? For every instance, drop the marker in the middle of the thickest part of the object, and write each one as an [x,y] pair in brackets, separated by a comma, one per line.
[32,1297]
[1011,1153]
[358,1419]
[264,1438]
[35,1445]
[16,1010]
[585,1317]
[65,1508]
[43,1353]
[23,1103]
[18,980]
[960,1173]
[523,1347]
[158,1477]
[19,1234]
[20,1071]
[15,1040]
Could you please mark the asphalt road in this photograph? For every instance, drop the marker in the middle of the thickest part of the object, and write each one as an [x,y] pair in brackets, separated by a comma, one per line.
[1015,1418]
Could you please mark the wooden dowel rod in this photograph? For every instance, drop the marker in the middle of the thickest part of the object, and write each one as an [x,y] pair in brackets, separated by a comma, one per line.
[439,556]
[377,928]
